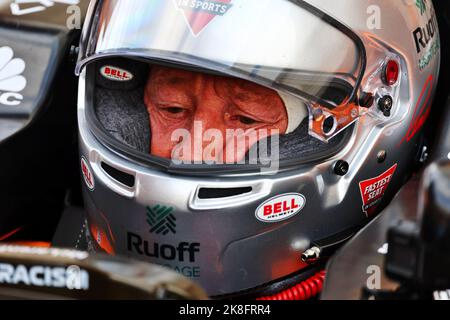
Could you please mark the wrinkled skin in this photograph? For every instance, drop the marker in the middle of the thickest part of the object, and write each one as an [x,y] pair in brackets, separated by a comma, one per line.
[177,99]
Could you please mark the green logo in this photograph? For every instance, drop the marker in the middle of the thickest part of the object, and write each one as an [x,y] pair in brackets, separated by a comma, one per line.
[422,6]
[161,220]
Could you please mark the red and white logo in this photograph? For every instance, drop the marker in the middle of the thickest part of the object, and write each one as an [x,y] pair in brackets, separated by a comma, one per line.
[280,207]
[199,13]
[87,174]
[372,190]
[116,74]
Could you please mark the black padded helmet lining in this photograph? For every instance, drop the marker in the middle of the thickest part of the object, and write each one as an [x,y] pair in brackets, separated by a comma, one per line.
[120,108]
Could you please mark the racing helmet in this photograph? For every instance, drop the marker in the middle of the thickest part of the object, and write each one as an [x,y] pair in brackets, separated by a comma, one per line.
[240,142]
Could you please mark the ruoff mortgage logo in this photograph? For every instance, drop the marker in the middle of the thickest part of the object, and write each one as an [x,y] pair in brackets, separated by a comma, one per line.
[161,220]
[422,6]
[199,13]
[426,33]
[11,80]
[426,36]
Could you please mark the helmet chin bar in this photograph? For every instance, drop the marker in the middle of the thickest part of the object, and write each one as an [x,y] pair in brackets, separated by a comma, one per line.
[306,284]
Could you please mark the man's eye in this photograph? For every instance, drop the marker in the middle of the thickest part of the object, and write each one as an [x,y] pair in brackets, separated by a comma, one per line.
[246,120]
[174,110]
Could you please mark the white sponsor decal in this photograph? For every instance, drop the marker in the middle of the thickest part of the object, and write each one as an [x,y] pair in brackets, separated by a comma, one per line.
[39,251]
[11,80]
[87,174]
[281,207]
[116,74]
[199,13]
[24,7]
[72,277]
[441,295]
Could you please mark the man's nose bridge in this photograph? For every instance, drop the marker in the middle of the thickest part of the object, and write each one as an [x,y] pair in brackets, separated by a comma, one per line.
[204,118]
[207,129]
[210,112]
[203,131]
[209,115]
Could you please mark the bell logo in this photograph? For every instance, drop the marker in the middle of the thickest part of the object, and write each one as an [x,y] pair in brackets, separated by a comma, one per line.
[199,13]
[11,80]
[87,174]
[281,207]
[116,74]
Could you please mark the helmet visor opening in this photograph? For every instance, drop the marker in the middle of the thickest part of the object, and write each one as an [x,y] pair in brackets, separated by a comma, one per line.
[183,118]
[266,88]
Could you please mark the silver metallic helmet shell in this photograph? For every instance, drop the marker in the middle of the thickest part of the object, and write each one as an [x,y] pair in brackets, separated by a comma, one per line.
[210,225]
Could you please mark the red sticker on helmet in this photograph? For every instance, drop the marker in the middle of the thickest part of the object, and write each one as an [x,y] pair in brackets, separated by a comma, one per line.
[199,13]
[87,174]
[372,190]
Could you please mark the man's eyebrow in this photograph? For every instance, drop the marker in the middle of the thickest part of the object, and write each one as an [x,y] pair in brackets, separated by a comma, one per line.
[255,113]
[161,95]
[182,98]
[245,97]
[176,79]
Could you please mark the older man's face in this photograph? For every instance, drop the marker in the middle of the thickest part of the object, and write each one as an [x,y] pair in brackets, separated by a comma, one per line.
[177,99]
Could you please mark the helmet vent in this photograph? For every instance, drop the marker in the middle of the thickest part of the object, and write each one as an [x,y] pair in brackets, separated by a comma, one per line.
[120,176]
[218,193]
